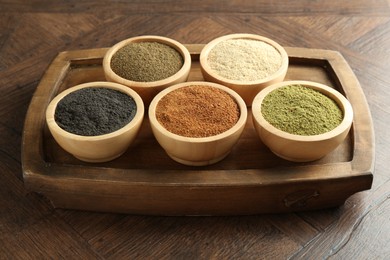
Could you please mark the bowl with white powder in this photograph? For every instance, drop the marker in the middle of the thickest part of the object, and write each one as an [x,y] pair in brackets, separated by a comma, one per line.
[246,63]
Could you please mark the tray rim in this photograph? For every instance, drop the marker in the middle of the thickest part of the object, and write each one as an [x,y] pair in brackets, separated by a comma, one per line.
[42,176]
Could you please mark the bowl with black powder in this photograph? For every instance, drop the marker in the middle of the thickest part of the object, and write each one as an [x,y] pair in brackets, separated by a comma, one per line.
[96,121]
[246,63]
[301,120]
[197,123]
[147,64]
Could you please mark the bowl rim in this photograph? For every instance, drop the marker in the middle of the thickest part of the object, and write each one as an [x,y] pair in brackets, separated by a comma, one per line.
[203,58]
[342,101]
[147,38]
[240,102]
[51,108]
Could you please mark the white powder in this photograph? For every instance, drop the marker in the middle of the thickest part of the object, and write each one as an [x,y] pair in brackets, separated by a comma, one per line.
[244,59]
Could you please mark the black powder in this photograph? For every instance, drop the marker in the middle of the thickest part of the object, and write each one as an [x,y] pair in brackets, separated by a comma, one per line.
[94,111]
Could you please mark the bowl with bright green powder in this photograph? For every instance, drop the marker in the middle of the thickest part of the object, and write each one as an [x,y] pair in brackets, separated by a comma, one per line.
[147,64]
[301,120]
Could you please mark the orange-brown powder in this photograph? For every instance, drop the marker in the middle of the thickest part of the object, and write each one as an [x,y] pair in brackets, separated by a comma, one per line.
[197,111]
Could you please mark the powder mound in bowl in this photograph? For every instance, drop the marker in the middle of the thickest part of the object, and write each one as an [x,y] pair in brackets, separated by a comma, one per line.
[94,111]
[197,111]
[301,110]
[146,61]
[244,59]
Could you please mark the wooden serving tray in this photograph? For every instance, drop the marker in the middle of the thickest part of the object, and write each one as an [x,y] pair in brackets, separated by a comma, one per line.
[251,180]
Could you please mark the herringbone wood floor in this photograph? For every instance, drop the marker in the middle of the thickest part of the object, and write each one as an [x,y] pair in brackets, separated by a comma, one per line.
[33,32]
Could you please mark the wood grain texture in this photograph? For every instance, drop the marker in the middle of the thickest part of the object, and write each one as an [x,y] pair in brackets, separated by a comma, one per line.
[32,33]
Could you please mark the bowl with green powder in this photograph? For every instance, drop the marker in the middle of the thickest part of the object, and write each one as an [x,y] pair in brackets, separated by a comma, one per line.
[197,123]
[95,121]
[147,64]
[301,120]
[246,63]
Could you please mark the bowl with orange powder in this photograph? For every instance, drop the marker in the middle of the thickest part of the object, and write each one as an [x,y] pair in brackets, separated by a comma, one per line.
[197,123]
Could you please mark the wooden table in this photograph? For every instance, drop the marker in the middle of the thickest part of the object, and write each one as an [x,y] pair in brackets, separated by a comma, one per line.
[34,32]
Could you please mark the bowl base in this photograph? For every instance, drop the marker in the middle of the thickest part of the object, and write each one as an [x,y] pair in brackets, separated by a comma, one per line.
[294,159]
[198,163]
[99,160]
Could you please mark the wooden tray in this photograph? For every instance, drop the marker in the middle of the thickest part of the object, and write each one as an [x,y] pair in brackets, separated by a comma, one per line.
[251,180]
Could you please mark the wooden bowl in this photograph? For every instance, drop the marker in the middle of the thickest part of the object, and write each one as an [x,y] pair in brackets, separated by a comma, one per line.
[301,148]
[192,150]
[147,90]
[100,148]
[245,88]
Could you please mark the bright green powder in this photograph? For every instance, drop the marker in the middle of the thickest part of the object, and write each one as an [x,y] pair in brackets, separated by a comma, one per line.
[301,110]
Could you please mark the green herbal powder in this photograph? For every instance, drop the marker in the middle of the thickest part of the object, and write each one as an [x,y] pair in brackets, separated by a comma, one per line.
[301,110]
[146,61]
